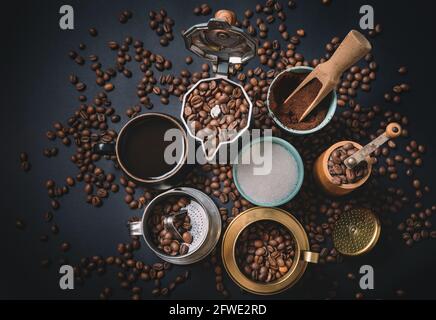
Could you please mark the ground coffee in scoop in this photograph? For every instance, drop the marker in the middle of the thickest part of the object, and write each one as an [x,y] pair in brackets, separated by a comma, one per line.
[284,85]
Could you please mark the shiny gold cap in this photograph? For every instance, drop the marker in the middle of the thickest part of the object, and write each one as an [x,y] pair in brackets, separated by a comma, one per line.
[356,232]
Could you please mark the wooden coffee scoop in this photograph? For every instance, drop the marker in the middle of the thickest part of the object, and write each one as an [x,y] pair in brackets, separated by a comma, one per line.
[393,130]
[354,47]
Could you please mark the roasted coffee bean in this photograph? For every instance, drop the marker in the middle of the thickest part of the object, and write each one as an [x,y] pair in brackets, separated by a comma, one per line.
[70,181]
[187,237]
[93,32]
[108,87]
[19,224]
[96,201]
[48,216]
[80,86]
[65,246]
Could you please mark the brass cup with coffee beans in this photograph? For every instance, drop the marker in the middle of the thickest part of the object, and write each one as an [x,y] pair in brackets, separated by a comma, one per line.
[266,250]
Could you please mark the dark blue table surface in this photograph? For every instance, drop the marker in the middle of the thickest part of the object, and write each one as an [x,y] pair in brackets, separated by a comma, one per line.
[36,92]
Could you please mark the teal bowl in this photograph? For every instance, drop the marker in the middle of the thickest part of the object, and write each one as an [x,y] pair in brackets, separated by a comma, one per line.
[330,113]
[300,171]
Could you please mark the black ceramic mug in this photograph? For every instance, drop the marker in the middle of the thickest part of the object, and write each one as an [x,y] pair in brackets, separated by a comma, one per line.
[152,149]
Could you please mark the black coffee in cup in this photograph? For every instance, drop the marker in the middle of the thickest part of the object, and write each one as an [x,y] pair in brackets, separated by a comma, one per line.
[143,147]
[150,148]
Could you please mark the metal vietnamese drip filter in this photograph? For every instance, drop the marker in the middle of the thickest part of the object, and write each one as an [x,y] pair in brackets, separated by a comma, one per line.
[303,255]
[356,232]
[321,172]
[224,45]
[205,221]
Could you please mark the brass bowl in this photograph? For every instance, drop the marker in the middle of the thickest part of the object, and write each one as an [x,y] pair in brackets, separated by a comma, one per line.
[302,248]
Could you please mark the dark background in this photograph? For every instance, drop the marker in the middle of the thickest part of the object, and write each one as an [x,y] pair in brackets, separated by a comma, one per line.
[35,92]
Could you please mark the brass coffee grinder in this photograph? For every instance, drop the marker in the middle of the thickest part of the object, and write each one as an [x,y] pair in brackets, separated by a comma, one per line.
[325,180]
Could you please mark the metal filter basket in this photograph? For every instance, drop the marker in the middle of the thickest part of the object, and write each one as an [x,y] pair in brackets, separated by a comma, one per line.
[205,220]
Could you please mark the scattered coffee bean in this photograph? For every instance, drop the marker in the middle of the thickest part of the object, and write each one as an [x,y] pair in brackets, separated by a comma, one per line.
[19,224]
[65,246]
[163,25]
[93,32]
[24,162]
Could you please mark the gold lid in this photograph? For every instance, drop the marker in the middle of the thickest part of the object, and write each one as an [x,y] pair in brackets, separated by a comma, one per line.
[356,232]
[243,220]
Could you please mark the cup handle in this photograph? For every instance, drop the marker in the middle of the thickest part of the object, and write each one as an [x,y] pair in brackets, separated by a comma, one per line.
[135,228]
[105,149]
[311,257]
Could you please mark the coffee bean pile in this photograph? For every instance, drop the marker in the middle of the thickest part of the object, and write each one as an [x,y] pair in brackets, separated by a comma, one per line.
[267,14]
[356,78]
[164,239]
[397,90]
[376,31]
[231,107]
[265,251]
[418,226]
[24,162]
[125,16]
[203,10]
[408,208]
[163,25]
[130,188]
[339,172]
[55,192]
[80,60]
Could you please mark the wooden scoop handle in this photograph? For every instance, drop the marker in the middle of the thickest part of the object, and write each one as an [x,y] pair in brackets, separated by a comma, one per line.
[226,15]
[393,130]
[353,48]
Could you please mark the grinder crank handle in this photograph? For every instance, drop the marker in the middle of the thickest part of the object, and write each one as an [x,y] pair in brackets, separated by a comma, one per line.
[393,130]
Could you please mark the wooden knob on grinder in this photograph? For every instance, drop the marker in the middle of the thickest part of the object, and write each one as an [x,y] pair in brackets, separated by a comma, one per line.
[393,130]
[226,15]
